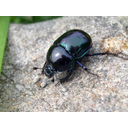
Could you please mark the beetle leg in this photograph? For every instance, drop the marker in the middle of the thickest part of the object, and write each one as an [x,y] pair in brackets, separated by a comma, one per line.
[86,69]
[69,74]
[104,53]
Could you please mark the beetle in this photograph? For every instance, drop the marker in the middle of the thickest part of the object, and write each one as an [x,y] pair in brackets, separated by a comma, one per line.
[66,51]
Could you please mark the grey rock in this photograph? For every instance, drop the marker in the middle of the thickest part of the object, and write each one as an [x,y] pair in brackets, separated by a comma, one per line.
[36,79]
[22,89]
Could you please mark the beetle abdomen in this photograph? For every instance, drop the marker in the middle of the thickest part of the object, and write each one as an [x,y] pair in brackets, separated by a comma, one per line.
[76,42]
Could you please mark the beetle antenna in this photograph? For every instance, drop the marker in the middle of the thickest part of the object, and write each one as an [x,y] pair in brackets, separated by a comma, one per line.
[35,68]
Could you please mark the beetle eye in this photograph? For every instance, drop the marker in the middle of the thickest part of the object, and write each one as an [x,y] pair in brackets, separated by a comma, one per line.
[54,71]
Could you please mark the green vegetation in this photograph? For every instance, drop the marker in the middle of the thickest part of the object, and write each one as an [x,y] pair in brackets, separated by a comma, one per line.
[31,19]
[4,25]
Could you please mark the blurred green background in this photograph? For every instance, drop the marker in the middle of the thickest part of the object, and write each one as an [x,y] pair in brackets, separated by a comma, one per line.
[4,25]
[31,19]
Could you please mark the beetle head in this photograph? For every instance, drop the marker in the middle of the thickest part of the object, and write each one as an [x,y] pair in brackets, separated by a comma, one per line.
[49,70]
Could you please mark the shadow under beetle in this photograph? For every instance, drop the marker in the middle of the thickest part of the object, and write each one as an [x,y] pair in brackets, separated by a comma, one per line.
[66,51]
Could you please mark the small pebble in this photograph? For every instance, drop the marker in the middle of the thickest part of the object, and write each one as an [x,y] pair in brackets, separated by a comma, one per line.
[125,51]
[36,79]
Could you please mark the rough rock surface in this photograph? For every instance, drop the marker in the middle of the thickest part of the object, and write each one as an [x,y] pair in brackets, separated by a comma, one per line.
[21,88]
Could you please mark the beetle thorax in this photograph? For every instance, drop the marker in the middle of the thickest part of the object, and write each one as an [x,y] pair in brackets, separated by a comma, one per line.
[60,58]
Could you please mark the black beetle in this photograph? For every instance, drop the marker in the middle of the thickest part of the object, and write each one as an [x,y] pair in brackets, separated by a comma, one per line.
[66,50]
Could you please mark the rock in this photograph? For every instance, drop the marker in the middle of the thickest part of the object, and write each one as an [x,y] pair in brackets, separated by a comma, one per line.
[36,79]
[22,89]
